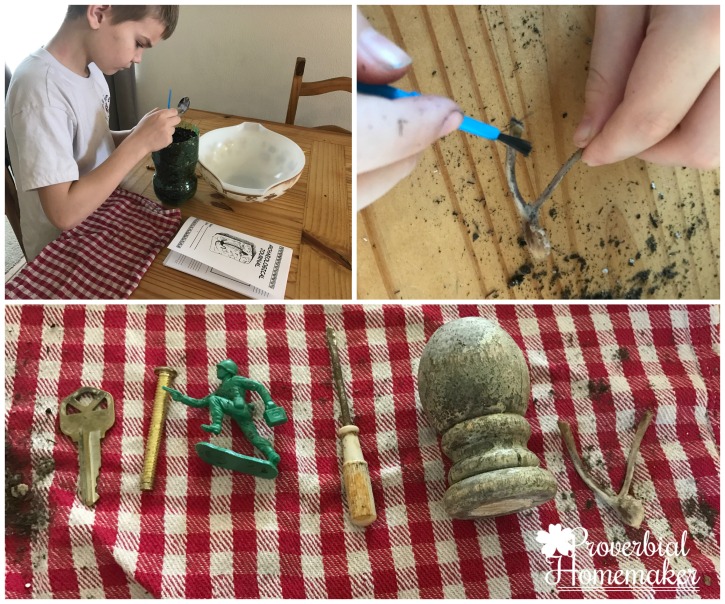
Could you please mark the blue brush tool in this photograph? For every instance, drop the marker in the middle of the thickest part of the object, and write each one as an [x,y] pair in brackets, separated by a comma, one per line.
[468,125]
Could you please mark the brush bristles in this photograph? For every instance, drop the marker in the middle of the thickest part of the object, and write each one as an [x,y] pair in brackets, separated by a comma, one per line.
[519,144]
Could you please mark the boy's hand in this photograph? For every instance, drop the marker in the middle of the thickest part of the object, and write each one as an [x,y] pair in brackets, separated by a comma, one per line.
[156,129]
[654,86]
[392,134]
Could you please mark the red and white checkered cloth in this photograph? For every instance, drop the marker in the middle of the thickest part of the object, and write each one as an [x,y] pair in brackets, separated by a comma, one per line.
[205,532]
[104,257]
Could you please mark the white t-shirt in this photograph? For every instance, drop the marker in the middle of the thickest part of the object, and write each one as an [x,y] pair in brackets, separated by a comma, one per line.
[56,123]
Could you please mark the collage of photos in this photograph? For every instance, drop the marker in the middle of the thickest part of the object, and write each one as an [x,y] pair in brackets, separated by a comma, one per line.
[361,301]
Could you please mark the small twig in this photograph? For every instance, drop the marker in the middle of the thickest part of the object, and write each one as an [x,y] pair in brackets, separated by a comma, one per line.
[536,237]
[629,509]
[606,494]
[632,458]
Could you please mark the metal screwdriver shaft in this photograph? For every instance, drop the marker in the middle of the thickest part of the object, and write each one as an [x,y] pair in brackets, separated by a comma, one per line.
[356,476]
[166,377]
[337,376]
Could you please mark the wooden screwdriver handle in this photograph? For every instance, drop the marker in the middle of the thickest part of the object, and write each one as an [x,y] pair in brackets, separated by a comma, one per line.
[356,477]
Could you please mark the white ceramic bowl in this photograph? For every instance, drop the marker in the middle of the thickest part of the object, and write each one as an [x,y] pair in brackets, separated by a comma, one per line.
[248,162]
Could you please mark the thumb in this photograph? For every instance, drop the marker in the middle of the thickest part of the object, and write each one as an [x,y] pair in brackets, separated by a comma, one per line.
[379,61]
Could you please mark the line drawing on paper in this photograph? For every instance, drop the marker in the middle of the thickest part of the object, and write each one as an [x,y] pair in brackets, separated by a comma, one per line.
[233,247]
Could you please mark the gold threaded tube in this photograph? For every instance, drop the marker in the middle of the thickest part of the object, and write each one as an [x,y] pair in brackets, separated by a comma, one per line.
[166,377]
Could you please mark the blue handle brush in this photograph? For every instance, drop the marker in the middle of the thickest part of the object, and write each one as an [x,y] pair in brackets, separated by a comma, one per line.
[468,125]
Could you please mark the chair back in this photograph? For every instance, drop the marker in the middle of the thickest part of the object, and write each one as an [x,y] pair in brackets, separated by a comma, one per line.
[302,88]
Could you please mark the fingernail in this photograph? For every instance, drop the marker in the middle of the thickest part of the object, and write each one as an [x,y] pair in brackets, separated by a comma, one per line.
[592,163]
[383,50]
[583,133]
[451,123]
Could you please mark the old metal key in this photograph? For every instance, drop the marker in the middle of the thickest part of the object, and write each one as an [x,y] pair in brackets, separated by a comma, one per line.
[85,416]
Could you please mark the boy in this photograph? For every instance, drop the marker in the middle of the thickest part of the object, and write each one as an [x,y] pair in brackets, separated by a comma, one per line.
[65,159]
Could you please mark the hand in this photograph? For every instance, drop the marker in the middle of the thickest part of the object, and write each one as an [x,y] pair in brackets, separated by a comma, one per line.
[156,129]
[654,87]
[392,134]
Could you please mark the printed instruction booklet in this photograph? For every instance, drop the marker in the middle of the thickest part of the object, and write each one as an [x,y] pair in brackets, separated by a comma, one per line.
[245,264]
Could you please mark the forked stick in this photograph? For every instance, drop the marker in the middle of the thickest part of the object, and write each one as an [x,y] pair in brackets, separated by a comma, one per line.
[629,509]
[536,237]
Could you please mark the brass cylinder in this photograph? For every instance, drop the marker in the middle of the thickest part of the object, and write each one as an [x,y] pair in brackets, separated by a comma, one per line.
[166,377]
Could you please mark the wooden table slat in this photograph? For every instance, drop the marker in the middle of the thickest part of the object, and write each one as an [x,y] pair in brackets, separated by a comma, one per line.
[324,212]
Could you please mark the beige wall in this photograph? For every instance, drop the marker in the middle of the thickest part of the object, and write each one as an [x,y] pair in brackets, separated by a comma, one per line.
[240,60]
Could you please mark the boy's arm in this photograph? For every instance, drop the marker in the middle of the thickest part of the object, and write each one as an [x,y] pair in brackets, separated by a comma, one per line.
[67,204]
[119,136]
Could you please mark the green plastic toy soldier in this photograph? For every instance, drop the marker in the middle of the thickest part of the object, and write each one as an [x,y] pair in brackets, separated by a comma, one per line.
[229,399]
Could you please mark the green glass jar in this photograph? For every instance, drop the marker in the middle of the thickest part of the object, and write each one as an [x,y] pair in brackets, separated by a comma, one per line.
[175,177]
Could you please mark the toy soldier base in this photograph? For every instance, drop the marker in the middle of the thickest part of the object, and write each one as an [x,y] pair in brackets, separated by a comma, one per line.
[231,460]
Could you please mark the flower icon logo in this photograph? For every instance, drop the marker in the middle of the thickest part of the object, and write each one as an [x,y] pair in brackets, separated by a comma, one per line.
[557,539]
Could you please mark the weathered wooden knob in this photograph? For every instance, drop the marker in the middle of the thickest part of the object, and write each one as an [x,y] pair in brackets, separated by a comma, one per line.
[474,387]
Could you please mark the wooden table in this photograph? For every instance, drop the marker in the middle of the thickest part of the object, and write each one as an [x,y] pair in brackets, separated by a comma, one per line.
[450,230]
[313,218]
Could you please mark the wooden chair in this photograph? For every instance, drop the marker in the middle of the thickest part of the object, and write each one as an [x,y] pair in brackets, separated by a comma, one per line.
[300,88]
[12,207]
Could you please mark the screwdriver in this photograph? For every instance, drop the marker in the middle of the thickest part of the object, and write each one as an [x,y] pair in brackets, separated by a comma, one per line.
[355,472]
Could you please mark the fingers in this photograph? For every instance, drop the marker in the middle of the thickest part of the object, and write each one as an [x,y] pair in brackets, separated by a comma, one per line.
[678,57]
[379,61]
[166,116]
[375,184]
[618,34]
[391,134]
[389,131]
[156,129]
[170,114]
[169,119]
[696,142]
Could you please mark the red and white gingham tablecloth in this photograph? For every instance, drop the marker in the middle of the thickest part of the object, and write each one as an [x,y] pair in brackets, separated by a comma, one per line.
[205,532]
[104,257]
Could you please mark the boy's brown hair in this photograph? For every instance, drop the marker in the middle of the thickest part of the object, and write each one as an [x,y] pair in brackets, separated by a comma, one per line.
[120,13]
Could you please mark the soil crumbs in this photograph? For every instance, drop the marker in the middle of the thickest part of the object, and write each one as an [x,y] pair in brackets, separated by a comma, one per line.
[25,513]
[701,518]
[644,281]
[183,134]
